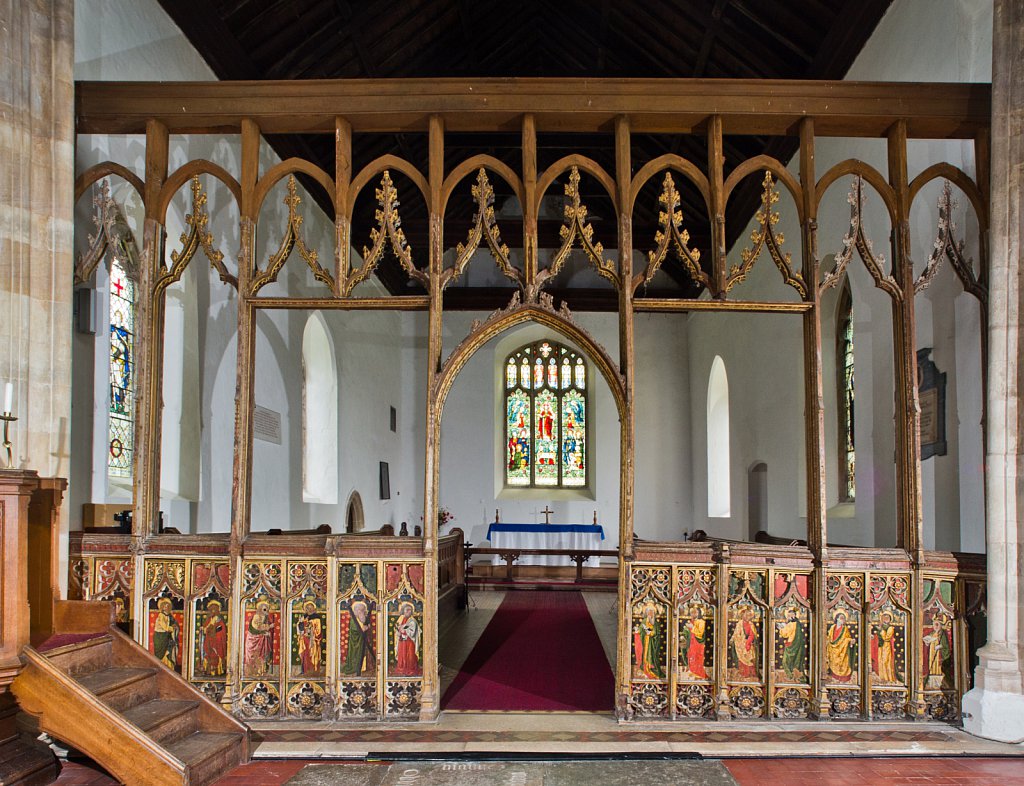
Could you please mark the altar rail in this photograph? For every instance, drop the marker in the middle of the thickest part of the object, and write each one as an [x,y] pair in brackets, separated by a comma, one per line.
[746,631]
[579,556]
[315,627]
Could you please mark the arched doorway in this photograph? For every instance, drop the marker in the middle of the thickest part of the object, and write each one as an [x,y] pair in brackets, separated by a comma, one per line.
[510,656]
[354,520]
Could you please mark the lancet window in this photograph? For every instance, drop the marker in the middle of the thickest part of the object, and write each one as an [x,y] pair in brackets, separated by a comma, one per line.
[845,390]
[545,417]
[121,428]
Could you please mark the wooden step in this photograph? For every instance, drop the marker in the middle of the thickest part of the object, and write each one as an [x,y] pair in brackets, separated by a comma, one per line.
[207,755]
[82,657]
[165,720]
[121,688]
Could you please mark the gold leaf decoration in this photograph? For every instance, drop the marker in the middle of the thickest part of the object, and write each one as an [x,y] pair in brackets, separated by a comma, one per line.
[671,235]
[292,239]
[388,232]
[484,228]
[577,228]
[765,235]
[198,236]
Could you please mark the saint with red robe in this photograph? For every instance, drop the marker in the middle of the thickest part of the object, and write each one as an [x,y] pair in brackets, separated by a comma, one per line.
[745,646]
[695,638]
[214,641]
[407,643]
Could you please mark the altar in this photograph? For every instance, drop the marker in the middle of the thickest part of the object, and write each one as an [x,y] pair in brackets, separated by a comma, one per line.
[571,537]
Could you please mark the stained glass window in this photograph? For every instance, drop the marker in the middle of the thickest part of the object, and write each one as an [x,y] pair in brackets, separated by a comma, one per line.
[545,416]
[845,393]
[121,433]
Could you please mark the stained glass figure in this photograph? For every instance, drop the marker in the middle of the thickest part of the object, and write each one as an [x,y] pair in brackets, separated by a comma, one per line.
[517,430]
[545,417]
[574,423]
[845,367]
[546,438]
[121,432]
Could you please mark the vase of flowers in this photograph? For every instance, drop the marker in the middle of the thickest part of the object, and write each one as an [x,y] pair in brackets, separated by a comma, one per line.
[444,516]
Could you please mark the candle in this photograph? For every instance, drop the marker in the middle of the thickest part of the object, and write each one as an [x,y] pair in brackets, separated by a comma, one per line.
[8,397]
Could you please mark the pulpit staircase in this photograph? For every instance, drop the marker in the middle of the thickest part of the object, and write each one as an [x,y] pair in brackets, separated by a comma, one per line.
[95,689]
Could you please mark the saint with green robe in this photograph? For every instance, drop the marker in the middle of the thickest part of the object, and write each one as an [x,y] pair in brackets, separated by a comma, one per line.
[360,657]
[794,645]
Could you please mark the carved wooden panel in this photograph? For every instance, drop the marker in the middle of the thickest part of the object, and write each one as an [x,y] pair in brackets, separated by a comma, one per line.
[308,638]
[403,614]
[746,612]
[843,644]
[888,626]
[210,625]
[940,647]
[649,609]
[163,597]
[695,623]
[260,615]
[359,640]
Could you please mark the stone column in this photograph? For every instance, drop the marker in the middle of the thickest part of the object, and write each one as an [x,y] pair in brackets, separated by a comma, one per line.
[995,707]
[36,217]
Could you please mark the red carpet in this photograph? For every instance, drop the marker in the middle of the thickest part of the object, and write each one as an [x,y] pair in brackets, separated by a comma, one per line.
[540,653]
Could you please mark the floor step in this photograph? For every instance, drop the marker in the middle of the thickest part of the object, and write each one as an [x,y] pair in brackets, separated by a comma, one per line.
[165,720]
[82,656]
[207,754]
[121,688]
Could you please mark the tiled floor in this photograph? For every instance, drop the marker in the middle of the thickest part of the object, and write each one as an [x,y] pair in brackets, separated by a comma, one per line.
[936,771]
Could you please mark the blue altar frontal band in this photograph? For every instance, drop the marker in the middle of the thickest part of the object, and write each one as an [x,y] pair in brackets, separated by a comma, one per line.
[590,529]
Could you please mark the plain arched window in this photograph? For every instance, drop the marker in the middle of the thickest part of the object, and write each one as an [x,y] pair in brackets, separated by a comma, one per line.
[545,417]
[845,394]
[319,414]
[718,441]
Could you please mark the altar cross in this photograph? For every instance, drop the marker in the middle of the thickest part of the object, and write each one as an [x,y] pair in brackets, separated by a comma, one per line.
[547,513]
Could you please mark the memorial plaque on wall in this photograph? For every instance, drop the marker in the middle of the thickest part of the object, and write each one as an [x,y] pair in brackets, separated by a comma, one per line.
[931,394]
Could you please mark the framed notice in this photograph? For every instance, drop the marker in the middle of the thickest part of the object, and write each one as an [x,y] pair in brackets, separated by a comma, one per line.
[931,395]
[385,481]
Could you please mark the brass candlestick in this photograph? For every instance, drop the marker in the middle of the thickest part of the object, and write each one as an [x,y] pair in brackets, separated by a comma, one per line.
[8,418]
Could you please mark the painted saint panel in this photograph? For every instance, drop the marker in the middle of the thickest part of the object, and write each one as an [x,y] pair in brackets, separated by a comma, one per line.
[695,620]
[792,616]
[650,590]
[164,596]
[211,591]
[845,601]
[261,637]
[403,620]
[745,670]
[939,648]
[888,615]
[166,622]
[359,639]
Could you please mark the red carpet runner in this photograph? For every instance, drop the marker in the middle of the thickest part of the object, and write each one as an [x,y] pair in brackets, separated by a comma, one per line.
[540,653]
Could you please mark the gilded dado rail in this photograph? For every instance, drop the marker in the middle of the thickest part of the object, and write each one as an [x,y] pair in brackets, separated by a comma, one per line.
[287,631]
[715,630]
[744,631]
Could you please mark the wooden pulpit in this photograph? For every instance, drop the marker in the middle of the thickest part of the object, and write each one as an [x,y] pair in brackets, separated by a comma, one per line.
[29,517]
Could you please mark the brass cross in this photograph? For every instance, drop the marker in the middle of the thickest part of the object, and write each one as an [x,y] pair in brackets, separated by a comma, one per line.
[547,513]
